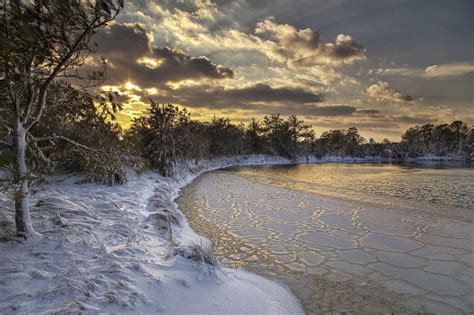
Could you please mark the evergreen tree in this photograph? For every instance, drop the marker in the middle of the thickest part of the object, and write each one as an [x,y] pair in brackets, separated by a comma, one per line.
[162,136]
[254,137]
[300,133]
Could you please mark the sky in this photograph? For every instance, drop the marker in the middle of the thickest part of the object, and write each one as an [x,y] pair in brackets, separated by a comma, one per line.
[381,66]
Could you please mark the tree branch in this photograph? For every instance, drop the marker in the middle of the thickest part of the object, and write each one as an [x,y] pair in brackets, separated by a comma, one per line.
[6,143]
[59,67]
[30,101]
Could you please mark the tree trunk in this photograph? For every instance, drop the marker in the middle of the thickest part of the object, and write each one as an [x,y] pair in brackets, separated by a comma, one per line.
[24,227]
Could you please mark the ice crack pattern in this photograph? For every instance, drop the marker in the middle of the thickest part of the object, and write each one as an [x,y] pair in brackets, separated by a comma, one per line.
[336,255]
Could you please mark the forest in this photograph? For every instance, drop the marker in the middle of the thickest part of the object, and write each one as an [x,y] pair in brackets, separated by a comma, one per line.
[166,134]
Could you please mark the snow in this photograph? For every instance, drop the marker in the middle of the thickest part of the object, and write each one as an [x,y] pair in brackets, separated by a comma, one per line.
[126,249]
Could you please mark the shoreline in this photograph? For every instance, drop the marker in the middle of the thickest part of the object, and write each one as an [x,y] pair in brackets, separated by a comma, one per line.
[132,237]
[125,249]
[251,244]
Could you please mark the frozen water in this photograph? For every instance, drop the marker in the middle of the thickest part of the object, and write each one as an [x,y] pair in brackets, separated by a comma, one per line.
[338,251]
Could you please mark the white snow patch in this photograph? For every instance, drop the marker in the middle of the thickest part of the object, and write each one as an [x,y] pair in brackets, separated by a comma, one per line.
[119,250]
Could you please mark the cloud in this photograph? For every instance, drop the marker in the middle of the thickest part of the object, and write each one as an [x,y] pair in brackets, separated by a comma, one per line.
[327,111]
[139,71]
[369,112]
[344,51]
[178,65]
[211,27]
[262,63]
[256,65]
[128,49]
[259,98]
[123,41]
[265,93]
[305,47]
[441,71]
[330,110]
[247,97]
[448,70]
[382,91]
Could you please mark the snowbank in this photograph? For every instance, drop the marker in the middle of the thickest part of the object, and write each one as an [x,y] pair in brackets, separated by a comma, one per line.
[123,249]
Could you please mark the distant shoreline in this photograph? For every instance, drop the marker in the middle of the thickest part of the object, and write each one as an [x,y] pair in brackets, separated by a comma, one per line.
[446,160]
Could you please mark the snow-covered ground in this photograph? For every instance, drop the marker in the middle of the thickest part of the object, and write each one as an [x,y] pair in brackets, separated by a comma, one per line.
[126,249]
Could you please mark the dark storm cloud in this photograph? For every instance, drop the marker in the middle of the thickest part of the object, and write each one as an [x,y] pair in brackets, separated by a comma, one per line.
[332,110]
[265,93]
[128,50]
[255,97]
[368,111]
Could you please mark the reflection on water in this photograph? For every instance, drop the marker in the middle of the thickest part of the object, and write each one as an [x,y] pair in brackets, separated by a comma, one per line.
[436,184]
[345,254]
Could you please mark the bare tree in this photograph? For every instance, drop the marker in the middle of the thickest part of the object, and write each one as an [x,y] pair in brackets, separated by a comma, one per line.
[41,41]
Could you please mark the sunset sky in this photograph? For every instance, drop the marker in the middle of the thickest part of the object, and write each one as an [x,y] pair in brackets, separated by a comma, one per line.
[380,66]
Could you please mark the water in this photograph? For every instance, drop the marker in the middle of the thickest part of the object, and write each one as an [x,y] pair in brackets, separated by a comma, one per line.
[432,187]
[346,237]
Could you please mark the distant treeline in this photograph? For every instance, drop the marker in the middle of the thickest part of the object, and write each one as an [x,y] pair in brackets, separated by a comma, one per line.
[78,137]
[167,134]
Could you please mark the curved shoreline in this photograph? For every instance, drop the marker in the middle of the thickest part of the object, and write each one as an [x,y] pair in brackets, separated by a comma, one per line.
[186,173]
[369,240]
[105,249]
[183,238]
[110,249]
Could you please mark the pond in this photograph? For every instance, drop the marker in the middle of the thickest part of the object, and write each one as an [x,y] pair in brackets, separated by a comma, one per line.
[361,238]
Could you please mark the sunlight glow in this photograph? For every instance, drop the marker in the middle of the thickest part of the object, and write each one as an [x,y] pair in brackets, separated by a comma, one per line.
[151,91]
[184,83]
[130,86]
[110,88]
[151,63]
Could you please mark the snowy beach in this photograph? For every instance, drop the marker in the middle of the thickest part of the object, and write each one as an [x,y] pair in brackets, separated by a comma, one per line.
[109,249]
